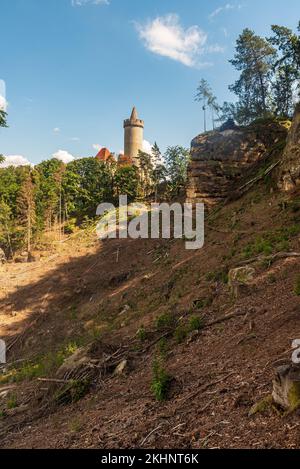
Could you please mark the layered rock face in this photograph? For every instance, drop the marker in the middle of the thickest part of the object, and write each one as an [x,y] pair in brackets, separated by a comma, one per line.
[220,159]
[289,174]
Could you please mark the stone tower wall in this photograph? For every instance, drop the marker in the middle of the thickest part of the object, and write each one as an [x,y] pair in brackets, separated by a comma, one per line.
[133,138]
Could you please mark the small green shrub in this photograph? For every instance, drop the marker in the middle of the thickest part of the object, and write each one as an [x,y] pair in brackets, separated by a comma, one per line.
[160,382]
[42,367]
[72,392]
[70,226]
[165,321]
[195,323]
[180,333]
[163,347]
[12,402]
[217,276]
[142,334]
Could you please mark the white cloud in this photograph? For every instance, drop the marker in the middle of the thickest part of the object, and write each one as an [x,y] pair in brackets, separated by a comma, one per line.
[215,49]
[3,101]
[15,160]
[80,3]
[56,130]
[97,147]
[227,7]
[166,36]
[75,139]
[63,156]
[147,147]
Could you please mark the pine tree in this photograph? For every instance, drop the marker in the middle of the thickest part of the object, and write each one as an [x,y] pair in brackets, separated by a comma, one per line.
[286,69]
[159,170]
[6,227]
[254,58]
[3,116]
[205,95]
[26,207]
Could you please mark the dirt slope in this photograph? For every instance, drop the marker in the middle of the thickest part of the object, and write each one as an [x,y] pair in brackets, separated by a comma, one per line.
[105,293]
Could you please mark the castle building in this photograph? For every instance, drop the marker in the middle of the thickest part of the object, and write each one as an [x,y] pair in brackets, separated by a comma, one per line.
[104,155]
[133,137]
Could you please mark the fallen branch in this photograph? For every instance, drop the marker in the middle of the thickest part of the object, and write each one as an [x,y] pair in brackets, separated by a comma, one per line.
[274,257]
[205,387]
[223,319]
[53,380]
[151,433]
[251,183]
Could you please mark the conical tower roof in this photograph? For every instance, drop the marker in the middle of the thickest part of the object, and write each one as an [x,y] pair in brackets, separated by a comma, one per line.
[134,114]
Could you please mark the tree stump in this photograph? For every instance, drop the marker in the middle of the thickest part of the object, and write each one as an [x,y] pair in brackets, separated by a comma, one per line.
[239,280]
[286,387]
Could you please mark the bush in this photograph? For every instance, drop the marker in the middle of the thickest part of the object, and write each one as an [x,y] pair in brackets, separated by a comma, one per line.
[195,324]
[160,382]
[180,334]
[141,334]
[165,321]
[70,226]
[217,276]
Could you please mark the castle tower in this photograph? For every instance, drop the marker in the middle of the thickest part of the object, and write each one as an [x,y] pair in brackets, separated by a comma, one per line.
[133,136]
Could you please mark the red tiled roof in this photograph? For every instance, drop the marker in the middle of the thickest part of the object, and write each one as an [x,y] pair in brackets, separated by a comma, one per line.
[104,154]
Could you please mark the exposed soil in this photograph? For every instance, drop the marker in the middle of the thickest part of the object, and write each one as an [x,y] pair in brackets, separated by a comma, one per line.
[104,293]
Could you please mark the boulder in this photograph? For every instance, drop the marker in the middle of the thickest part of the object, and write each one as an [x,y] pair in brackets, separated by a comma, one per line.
[220,160]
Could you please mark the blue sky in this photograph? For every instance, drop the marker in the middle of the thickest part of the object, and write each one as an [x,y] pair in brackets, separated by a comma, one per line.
[73,69]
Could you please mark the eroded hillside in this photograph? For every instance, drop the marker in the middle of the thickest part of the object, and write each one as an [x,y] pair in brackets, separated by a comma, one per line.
[139,302]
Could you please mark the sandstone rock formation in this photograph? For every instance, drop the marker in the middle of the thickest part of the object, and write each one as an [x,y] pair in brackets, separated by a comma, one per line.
[289,177]
[220,159]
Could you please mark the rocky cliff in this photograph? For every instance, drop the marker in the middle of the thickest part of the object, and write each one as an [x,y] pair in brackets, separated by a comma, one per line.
[289,174]
[221,159]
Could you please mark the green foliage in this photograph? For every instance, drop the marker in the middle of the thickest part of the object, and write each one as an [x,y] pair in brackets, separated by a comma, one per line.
[142,334]
[127,182]
[165,321]
[177,159]
[163,347]
[161,381]
[254,58]
[70,226]
[180,333]
[206,97]
[72,392]
[274,241]
[217,276]
[269,77]
[42,367]
[3,116]
[195,323]
[12,402]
